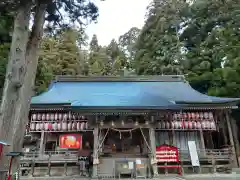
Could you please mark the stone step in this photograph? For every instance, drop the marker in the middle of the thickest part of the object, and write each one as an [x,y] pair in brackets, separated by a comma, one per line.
[236,170]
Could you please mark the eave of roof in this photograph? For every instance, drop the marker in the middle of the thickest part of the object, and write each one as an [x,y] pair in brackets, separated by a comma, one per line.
[140,92]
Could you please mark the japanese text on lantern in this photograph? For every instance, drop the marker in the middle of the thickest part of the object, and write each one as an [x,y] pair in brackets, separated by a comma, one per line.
[166,153]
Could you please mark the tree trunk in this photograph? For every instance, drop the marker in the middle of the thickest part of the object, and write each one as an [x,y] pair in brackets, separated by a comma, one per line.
[22,108]
[13,82]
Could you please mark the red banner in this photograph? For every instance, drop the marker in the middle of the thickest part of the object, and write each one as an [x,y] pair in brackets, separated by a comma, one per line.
[70,141]
[166,153]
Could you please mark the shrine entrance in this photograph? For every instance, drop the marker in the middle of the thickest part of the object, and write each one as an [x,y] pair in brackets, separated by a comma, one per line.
[125,142]
[125,146]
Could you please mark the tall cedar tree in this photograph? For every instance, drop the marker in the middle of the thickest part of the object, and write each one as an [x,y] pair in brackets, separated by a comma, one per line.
[23,61]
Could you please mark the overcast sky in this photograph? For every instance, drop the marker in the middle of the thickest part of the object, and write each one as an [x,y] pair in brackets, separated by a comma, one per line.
[116,17]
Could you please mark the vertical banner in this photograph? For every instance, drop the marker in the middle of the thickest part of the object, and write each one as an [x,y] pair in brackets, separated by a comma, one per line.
[193,153]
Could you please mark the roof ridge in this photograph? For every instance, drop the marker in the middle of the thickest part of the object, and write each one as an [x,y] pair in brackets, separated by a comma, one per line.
[157,78]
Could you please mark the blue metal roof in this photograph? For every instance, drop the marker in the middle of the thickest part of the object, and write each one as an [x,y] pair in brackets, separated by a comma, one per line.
[124,94]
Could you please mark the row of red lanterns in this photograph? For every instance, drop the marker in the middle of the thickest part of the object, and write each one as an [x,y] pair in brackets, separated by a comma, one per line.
[55,116]
[193,115]
[211,125]
[62,126]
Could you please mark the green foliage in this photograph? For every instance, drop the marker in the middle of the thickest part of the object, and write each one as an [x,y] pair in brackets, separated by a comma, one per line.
[158,46]
[60,55]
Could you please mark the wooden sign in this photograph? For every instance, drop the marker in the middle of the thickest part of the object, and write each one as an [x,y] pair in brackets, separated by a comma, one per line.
[193,153]
[70,141]
[166,153]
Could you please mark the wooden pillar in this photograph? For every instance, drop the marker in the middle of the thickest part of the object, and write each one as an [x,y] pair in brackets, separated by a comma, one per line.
[49,165]
[235,138]
[202,142]
[95,153]
[42,143]
[65,169]
[231,139]
[152,139]
[32,167]
[223,128]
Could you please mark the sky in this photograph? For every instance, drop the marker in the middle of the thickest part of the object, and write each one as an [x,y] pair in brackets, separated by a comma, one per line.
[116,17]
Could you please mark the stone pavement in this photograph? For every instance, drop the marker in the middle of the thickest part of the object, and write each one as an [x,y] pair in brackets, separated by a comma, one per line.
[186,177]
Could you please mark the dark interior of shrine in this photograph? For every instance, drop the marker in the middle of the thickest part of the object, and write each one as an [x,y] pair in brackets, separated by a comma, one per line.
[123,142]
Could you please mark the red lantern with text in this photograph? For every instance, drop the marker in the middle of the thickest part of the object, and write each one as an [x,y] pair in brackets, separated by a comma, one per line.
[71,141]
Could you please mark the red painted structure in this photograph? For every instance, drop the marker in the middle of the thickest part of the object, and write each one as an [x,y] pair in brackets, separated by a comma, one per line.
[168,154]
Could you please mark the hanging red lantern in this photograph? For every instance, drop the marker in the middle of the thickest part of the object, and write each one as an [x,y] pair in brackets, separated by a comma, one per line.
[210,115]
[213,125]
[167,125]
[186,125]
[205,115]
[73,117]
[203,124]
[59,124]
[86,125]
[65,116]
[50,127]
[78,126]
[194,124]
[185,116]
[39,117]
[82,125]
[198,125]
[172,124]
[47,116]
[43,116]
[46,126]
[56,116]
[175,116]
[197,115]
[189,115]
[55,126]
[190,125]
[163,125]
[207,124]
[193,115]
[34,117]
[69,125]
[69,116]
[52,116]
[33,126]
[37,127]
[64,125]
[60,117]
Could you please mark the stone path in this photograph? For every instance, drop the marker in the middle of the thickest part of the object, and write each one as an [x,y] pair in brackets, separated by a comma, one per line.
[187,177]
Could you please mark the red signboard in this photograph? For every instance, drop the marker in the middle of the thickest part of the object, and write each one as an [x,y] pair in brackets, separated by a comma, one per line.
[168,154]
[70,141]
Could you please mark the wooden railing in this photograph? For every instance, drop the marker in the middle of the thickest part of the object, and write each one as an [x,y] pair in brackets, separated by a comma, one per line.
[51,156]
[207,154]
[218,154]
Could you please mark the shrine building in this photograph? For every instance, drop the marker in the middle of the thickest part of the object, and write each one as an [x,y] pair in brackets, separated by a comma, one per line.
[133,126]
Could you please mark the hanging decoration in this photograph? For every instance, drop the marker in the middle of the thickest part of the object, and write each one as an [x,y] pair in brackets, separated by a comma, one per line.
[55,122]
[189,121]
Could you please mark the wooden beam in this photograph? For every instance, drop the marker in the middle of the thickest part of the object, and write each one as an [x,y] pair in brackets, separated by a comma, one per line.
[231,139]
[95,151]
[42,143]
[235,138]
[152,139]
[202,141]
